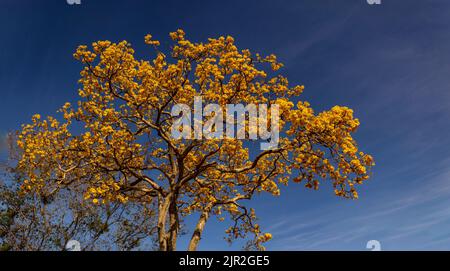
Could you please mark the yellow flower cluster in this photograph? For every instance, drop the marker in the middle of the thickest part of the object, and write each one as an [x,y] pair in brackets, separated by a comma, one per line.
[106,191]
[150,41]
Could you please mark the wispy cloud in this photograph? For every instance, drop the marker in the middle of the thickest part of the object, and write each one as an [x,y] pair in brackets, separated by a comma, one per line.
[392,219]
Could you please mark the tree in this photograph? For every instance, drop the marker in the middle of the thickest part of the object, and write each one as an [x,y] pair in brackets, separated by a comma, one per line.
[116,143]
[40,222]
[33,223]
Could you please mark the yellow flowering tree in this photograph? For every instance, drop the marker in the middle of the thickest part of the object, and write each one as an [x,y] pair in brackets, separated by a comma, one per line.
[116,143]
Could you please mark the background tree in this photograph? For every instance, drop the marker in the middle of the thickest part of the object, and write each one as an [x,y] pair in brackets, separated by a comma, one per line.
[116,143]
[47,222]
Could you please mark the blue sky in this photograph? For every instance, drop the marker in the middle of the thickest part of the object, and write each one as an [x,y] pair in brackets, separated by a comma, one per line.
[389,62]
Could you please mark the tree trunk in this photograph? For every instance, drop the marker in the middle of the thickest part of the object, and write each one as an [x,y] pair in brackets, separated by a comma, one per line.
[196,236]
[173,225]
[163,207]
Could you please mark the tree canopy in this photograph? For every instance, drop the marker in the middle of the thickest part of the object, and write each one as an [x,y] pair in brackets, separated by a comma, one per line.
[115,144]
